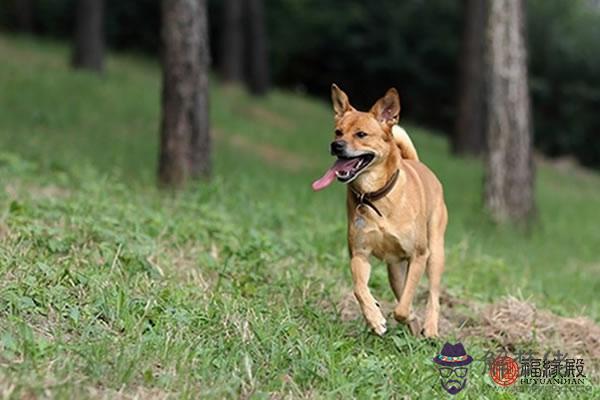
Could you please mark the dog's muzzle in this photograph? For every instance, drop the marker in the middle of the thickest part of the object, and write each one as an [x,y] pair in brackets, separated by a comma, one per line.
[338,147]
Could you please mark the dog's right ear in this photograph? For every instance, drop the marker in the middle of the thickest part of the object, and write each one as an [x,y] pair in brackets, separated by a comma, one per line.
[387,109]
[340,101]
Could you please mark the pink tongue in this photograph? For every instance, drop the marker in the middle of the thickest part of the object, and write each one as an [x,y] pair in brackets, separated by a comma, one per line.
[339,165]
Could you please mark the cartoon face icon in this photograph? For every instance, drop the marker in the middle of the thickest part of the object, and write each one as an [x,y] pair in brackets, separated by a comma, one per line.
[452,365]
[453,379]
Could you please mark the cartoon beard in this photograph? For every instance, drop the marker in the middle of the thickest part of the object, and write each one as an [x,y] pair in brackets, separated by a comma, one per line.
[453,386]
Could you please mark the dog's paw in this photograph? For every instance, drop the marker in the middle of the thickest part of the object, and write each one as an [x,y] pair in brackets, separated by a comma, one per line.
[376,321]
[430,331]
[402,314]
[379,328]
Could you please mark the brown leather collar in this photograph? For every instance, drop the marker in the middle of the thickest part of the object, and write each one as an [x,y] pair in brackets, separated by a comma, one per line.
[367,199]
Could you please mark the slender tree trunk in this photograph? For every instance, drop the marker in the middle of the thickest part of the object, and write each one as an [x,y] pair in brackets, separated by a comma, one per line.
[88,49]
[232,38]
[24,15]
[509,185]
[201,165]
[185,140]
[257,48]
[469,135]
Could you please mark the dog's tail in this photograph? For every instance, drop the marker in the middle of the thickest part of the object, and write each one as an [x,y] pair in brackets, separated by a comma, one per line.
[407,148]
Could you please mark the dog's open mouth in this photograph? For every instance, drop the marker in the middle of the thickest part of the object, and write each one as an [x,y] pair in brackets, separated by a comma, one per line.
[351,167]
[345,169]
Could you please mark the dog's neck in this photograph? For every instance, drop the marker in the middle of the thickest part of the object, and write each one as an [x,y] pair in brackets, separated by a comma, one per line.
[376,177]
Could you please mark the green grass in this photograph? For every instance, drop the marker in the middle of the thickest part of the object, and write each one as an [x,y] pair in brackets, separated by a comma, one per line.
[110,288]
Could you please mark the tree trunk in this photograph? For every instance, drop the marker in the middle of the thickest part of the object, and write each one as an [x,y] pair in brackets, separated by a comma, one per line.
[232,66]
[469,135]
[509,193]
[185,140]
[256,49]
[24,15]
[88,49]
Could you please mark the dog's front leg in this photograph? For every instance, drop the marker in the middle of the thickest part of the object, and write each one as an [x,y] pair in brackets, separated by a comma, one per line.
[361,270]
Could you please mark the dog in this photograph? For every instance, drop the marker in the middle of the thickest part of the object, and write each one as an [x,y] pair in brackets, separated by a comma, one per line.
[395,207]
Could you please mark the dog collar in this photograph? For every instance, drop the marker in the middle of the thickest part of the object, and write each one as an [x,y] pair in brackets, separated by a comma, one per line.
[367,199]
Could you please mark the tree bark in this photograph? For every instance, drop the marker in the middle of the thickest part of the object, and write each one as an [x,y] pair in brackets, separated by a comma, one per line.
[469,135]
[24,15]
[509,184]
[185,139]
[88,49]
[257,48]
[232,37]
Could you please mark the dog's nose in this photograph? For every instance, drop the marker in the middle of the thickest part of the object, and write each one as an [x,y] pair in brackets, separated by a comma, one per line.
[338,146]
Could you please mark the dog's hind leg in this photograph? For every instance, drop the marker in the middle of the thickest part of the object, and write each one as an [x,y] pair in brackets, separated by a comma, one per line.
[435,268]
[403,310]
[361,270]
[397,276]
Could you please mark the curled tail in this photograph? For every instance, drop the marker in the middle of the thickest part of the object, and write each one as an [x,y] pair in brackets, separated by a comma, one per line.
[407,148]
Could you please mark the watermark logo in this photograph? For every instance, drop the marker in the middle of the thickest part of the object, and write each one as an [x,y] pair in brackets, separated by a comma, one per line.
[521,371]
[504,371]
[452,364]
[554,370]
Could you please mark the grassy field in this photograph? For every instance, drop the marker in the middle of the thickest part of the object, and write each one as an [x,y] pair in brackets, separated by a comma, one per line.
[111,289]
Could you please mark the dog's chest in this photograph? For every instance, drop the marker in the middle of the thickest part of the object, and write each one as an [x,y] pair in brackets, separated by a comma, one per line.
[379,237]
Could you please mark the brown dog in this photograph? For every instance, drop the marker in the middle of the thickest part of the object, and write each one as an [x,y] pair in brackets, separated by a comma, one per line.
[396,208]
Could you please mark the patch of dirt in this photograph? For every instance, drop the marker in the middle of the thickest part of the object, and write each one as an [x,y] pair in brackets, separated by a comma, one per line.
[136,393]
[267,116]
[183,262]
[566,165]
[14,53]
[4,231]
[16,190]
[270,154]
[509,323]
[348,308]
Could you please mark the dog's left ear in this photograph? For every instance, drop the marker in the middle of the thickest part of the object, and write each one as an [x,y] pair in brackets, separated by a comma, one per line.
[340,101]
[387,109]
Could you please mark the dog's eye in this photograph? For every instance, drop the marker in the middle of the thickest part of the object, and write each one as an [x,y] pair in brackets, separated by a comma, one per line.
[339,133]
[361,134]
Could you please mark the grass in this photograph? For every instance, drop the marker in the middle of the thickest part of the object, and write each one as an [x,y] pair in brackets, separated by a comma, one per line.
[110,288]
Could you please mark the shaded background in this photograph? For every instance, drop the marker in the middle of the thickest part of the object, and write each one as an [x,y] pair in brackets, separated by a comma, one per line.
[413,45]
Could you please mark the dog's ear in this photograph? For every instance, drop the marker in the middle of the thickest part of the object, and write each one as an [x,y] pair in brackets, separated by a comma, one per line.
[387,109]
[340,101]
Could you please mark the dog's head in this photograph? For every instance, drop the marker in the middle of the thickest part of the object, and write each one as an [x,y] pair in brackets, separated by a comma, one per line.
[362,140]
